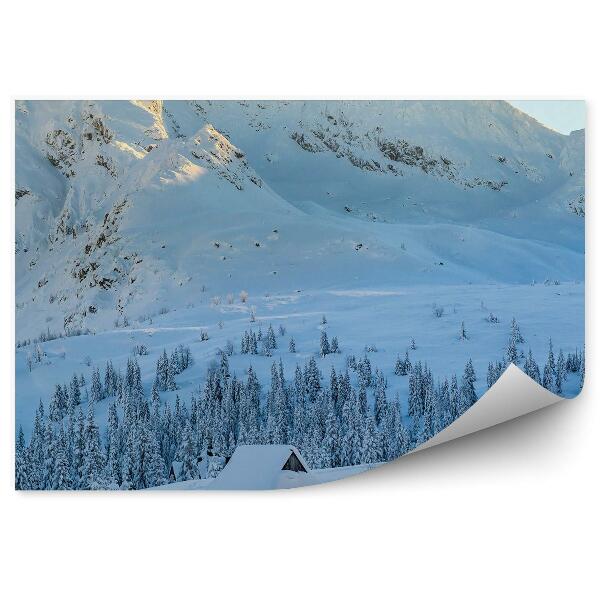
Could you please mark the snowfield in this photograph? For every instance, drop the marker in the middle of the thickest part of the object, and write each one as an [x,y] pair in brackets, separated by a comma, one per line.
[412,227]
[388,321]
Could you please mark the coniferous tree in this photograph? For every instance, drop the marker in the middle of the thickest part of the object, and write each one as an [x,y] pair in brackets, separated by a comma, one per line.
[515,332]
[92,466]
[549,377]
[334,347]
[271,340]
[331,438]
[369,451]
[454,398]
[113,453]
[96,390]
[74,395]
[312,380]
[324,345]
[49,449]
[511,352]
[62,475]
[292,346]
[491,375]
[78,449]
[154,464]
[467,388]
[399,366]
[171,385]
[531,368]
[380,398]
[22,467]
[224,366]
[560,373]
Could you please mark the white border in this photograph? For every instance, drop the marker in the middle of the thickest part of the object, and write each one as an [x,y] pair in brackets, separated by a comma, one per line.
[508,513]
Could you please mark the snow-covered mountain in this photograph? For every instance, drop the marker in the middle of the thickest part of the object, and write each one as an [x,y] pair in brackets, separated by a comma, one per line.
[123,208]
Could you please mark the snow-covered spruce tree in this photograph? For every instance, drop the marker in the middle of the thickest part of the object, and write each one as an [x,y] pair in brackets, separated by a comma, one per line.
[93,464]
[515,332]
[74,395]
[333,387]
[324,344]
[56,411]
[442,404]
[511,352]
[224,366]
[343,393]
[454,399]
[292,346]
[399,366]
[549,376]
[154,466]
[334,347]
[312,380]
[573,363]
[37,449]
[271,339]
[428,416]
[531,368]
[78,449]
[22,464]
[390,440]
[370,448]
[351,443]
[365,373]
[131,468]
[331,439]
[413,344]
[351,362]
[491,375]
[62,474]
[113,447]
[162,368]
[414,392]
[467,388]
[96,389]
[109,383]
[187,454]
[171,385]
[380,406]
[463,332]
[363,403]
[49,447]
[561,372]
[403,366]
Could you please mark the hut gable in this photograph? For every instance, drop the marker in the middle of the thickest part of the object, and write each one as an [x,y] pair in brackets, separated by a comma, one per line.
[293,464]
[263,467]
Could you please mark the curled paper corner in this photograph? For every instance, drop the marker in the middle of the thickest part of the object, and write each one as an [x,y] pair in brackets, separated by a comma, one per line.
[513,395]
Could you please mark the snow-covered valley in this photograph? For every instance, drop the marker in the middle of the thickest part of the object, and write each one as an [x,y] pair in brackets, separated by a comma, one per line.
[413,227]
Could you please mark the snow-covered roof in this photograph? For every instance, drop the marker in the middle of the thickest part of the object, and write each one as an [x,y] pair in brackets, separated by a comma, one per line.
[259,467]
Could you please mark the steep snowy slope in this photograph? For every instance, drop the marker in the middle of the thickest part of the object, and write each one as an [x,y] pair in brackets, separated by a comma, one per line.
[123,208]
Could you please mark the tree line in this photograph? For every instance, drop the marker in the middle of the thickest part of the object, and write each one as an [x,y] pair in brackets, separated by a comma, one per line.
[335,419]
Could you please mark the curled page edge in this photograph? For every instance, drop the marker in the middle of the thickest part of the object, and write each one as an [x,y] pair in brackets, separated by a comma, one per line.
[513,395]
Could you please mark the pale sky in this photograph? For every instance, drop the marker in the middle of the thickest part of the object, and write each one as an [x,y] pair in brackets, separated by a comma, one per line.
[562,115]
